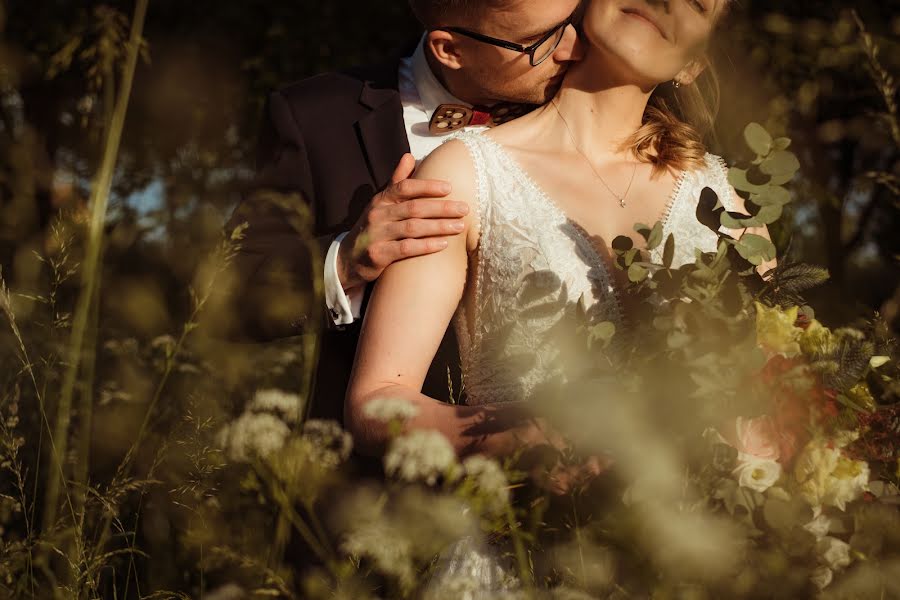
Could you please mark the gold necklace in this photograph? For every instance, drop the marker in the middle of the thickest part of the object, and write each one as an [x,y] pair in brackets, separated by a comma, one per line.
[621,198]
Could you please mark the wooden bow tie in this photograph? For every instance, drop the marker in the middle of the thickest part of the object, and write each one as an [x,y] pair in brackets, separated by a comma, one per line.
[453,117]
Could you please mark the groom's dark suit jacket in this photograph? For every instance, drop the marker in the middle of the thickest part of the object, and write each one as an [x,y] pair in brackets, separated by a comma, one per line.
[334,140]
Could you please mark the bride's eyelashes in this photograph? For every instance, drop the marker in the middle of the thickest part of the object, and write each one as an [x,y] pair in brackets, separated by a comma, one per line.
[698,6]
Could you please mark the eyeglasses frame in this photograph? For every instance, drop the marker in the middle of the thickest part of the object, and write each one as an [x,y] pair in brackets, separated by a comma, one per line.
[529,50]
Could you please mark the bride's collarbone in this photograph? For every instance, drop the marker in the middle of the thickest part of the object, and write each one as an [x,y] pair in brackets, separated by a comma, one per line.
[584,200]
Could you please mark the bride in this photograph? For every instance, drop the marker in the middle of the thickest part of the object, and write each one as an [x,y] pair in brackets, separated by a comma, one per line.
[621,143]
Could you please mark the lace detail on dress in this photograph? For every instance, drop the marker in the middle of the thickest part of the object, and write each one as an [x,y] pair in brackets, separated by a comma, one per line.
[534,270]
[681,216]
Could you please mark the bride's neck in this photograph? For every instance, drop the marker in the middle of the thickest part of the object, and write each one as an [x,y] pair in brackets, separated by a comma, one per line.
[601,109]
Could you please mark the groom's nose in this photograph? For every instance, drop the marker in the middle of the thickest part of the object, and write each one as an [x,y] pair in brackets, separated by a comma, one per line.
[570,47]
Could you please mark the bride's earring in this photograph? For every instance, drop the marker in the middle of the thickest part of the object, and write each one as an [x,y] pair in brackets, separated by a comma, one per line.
[676,84]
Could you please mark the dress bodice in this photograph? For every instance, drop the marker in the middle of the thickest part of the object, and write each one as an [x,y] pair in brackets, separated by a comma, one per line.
[534,269]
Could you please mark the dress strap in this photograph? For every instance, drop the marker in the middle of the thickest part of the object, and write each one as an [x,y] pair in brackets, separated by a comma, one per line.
[477,149]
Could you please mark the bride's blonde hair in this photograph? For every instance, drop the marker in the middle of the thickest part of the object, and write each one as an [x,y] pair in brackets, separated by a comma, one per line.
[679,121]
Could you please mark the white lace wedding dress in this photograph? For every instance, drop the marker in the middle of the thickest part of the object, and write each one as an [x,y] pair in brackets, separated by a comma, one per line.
[532,267]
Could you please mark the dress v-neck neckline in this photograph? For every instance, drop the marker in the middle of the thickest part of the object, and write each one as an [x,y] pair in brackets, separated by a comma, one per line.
[583,235]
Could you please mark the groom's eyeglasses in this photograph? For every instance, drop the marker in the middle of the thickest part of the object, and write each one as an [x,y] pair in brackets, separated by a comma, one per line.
[537,52]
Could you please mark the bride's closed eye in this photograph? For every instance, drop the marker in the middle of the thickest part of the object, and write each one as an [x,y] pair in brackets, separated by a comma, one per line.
[698,6]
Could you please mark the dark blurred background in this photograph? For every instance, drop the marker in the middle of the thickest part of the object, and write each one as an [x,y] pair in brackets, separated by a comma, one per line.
[799,68]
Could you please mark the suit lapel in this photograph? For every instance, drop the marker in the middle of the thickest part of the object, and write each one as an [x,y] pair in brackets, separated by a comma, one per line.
[382,131]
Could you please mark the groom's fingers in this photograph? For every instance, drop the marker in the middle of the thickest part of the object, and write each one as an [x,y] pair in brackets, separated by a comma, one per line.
[412,189]
[422,228]
[425,208]
[410,247]
[404,169]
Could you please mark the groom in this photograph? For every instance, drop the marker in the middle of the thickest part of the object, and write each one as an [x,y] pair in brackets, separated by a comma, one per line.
[342,143]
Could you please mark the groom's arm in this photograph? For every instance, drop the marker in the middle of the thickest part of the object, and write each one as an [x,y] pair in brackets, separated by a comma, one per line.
[278,260]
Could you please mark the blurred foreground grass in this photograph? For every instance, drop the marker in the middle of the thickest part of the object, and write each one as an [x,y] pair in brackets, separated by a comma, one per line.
[138,448]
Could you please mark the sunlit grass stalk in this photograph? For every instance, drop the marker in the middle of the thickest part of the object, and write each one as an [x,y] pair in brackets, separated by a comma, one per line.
[99,201]
[884,81]
[515,534]
[28,366]
[86,411]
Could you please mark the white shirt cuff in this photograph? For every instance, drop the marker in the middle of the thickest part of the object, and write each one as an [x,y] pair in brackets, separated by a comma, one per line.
[343,308]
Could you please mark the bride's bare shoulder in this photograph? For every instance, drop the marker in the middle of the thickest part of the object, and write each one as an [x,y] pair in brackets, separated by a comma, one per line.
[450,159]
[452,162]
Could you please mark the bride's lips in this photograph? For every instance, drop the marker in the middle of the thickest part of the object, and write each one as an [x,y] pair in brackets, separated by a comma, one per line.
[647,17]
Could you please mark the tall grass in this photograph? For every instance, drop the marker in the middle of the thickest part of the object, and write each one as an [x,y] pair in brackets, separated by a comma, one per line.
[83,336]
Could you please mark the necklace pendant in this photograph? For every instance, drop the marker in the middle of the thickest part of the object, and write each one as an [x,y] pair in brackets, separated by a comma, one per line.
[622,202]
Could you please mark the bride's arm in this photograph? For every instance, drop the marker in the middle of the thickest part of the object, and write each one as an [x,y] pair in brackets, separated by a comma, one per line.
[406,318]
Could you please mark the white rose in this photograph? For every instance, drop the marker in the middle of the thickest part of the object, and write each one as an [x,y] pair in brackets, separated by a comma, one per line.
[833,552]
[758,474]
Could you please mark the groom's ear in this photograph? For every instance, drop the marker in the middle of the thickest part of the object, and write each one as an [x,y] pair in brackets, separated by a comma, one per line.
[692,71]
[443,45]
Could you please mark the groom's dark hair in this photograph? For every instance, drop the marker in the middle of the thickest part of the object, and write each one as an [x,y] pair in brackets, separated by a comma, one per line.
[437,13]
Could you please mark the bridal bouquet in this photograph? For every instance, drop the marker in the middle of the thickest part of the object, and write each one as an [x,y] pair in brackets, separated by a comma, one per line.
[756,451]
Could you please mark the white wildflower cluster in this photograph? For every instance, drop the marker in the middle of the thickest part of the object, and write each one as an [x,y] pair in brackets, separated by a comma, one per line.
[288,406]
[252,435]
[329,444]
[489,480]
[422,455]
[391,554]
[388,410]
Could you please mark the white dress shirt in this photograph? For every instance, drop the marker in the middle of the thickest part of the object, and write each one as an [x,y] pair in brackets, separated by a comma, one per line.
[420,94]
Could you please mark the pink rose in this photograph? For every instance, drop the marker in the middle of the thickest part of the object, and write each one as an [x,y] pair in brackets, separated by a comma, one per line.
[758,437]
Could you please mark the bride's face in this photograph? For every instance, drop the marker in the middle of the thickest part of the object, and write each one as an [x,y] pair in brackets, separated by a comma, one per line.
[653,41]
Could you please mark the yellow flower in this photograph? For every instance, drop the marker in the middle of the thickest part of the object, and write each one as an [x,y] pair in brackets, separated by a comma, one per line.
[816,339]
[828,477]
[776,330]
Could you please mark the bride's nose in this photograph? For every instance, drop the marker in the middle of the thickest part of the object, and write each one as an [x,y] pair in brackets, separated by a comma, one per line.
[570,47]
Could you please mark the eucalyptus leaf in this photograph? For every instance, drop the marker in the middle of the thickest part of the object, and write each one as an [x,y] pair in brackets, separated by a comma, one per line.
[637,273]
[622,243]
[669,251]
[643,229]
[656,236]
[781,162]
[755,249]
[738,180]
[768,215]
[778,180]
[772,195]
[759,140]
[630,256]
[781,143]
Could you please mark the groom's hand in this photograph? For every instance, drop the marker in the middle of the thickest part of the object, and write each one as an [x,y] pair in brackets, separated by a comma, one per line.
[407,219]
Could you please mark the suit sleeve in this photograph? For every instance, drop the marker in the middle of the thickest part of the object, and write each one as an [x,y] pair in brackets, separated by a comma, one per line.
[272,292]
